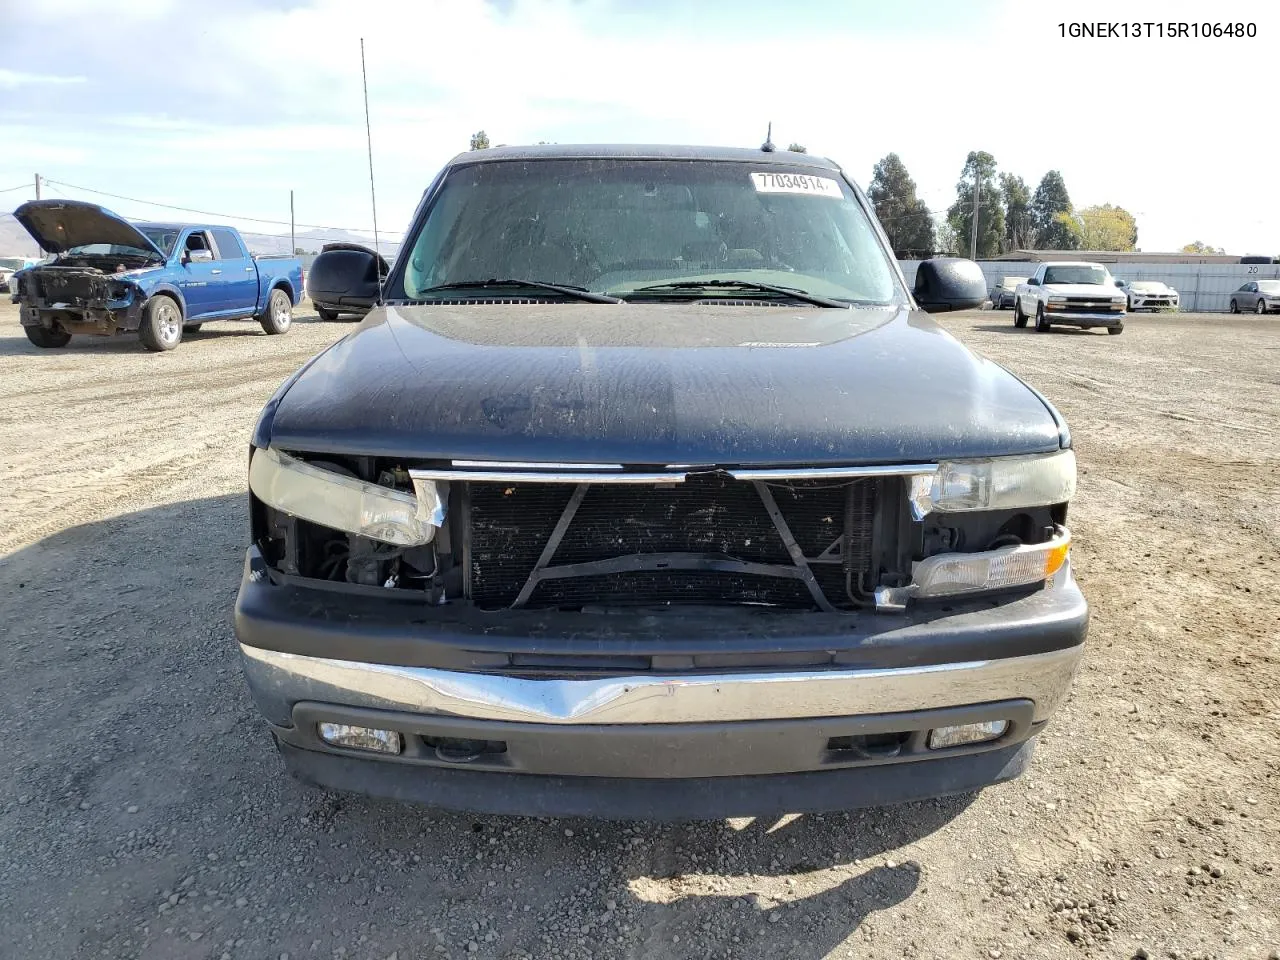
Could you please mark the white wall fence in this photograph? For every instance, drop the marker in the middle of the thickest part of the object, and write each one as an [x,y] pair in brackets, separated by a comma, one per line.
[1202,287]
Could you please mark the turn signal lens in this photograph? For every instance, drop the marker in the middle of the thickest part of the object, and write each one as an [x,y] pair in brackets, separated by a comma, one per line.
[953,573]
[360,738]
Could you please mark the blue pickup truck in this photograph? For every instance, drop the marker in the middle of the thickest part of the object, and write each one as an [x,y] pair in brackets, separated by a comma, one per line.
[111,276]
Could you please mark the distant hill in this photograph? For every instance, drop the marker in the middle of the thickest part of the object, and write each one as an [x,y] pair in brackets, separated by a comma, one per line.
[16,242]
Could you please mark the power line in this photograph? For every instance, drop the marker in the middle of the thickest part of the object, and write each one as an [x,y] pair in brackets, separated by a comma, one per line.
[21,186]
[203,213]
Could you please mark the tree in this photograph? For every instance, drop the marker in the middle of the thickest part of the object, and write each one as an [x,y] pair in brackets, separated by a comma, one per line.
[1107,228]
[1051,202]
[948,241]
[480,141]
[1019,230]
[798,148]
[1197,247]
[903,215]
[979,168]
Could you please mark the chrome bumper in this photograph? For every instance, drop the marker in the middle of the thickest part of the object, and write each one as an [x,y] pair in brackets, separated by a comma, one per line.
[280,680]
[1109,319]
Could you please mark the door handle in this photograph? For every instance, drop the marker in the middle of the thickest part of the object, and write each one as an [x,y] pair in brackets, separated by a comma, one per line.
[248,269]
[215,272]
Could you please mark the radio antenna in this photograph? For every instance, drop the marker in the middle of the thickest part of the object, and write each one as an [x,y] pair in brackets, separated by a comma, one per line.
[373,197]
[768,146]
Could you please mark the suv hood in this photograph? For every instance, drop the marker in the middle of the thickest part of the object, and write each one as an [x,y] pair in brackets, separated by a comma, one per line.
[656,384]
[59,225]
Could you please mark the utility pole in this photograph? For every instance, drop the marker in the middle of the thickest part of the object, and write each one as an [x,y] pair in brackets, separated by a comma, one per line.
[973,234]
[293,241]
[37,186]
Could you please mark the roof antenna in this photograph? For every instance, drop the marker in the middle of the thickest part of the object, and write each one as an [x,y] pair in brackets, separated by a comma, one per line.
[373,197]
[768,146]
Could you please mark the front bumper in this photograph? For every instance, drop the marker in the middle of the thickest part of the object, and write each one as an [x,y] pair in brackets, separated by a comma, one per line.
[656,742]
[1156,303]
[1086,321]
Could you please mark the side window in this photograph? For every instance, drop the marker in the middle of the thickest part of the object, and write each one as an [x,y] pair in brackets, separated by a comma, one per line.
[228,245]
[1251,287]
[196,240]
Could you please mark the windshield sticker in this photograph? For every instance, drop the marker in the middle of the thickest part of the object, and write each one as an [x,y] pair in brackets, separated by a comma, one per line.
[796,183]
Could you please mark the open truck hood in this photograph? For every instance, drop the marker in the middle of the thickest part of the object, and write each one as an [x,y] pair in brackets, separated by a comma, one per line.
[59,225]
[656,384]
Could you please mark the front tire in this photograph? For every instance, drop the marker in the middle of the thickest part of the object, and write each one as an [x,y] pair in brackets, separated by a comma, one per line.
[161,327]
[327,315]
[1235,307]
[1019,318]
[1260,307]
[48,338]
[1042,325]
[1115,331]
[278,314]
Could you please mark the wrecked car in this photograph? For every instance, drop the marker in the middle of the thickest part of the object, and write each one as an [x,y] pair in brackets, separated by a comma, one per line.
[651,490]
[110,276]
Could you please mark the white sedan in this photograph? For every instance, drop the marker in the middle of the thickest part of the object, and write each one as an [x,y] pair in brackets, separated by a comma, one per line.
[1149,295]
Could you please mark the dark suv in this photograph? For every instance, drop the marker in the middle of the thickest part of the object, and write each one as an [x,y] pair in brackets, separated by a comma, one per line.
[651,490]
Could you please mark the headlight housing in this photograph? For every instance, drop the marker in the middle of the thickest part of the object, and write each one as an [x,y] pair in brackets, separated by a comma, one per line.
[998,483]
[349,504]
[1057,299]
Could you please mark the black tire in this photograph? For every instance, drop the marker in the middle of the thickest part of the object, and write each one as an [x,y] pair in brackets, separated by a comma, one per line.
[1042,325]
[1260,307]
[277,315]
[1115,331]
[48,338]
[161,327]
[327,315]
[1235,307]
[1019,318]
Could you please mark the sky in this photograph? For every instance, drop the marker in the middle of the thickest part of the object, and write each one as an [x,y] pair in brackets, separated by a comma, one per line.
[227,107]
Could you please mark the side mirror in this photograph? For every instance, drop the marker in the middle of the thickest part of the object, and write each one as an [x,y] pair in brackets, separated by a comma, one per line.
[198,256]
[1119,283]
[1031,282]
[346,275]
[949,283]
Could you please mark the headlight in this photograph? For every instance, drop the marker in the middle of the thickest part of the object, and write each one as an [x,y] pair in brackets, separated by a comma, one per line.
[1118,301]
[346,503]
[1001,483]
[1057,299]
[949,574]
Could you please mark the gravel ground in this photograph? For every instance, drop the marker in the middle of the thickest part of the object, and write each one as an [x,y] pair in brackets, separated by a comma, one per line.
[145,813]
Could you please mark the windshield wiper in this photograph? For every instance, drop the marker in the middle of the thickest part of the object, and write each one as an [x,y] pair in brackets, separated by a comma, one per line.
[692,285]
[565,290]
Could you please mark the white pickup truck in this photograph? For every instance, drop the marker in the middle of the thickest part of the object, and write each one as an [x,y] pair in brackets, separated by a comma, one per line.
[1070,294]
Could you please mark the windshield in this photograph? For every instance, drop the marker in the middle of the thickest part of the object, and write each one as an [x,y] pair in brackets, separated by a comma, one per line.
[109,250]
[1269,286]
[611,226]
[162,237]
[1075,273]
[11,263]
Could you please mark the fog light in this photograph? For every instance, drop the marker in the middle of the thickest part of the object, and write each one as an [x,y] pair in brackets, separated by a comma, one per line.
[360,738]
[966,733]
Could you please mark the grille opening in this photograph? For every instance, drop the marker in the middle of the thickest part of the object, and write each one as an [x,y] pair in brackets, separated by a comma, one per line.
[458,750]
[872,744]
[697,542]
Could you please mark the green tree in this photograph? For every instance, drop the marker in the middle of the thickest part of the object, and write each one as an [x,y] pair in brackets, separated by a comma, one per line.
[798,148]
[1107,228]
[480,141]
[1051,215]
[903,215]
[1197,247]
[979,168]
[1019,230]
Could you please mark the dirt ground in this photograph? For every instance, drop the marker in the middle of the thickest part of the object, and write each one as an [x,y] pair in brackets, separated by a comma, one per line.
[144,812]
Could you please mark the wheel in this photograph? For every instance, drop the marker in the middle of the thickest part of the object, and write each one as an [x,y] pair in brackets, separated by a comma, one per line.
[1019,318]
[327,315]
[47,337]
[1115,331]
[161,327]
[1042,325]
[1260,306]
[278,314]
[1235,307]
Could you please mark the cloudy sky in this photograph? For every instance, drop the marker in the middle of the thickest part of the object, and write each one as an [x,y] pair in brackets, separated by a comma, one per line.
[226,107]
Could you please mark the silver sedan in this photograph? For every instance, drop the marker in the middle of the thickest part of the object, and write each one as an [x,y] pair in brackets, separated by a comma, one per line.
[1257,296]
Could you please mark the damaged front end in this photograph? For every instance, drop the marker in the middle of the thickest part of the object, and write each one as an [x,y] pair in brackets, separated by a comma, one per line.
[79,300]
